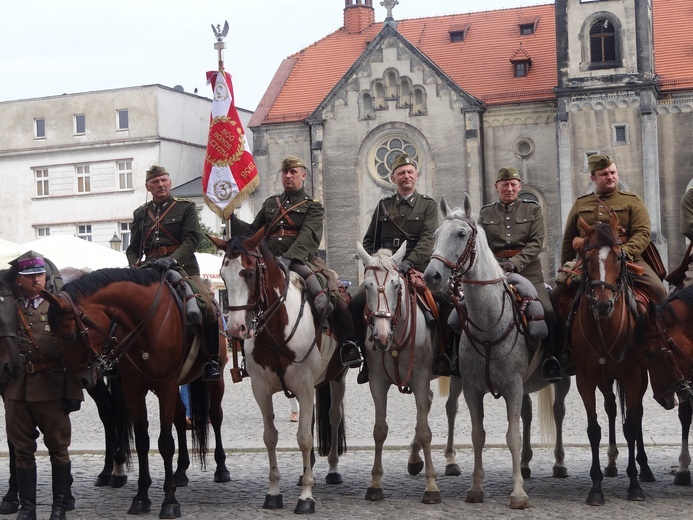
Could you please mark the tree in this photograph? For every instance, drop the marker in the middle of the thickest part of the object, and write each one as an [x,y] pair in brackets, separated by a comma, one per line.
[206,245]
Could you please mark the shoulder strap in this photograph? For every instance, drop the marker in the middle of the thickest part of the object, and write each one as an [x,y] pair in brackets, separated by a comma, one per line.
[392,221]
[161,228]
[283,213]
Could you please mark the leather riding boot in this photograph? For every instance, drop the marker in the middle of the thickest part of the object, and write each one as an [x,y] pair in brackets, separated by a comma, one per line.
[69,497]
[10,502]
[321,302]
[551,370]
[211,370]
[441,365]
[556,339]
[26,484]
[61,487]
[362,378]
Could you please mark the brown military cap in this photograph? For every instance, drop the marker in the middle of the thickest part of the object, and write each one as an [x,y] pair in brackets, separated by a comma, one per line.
[291,161]
[155,171]
[508,174]
[599,162]
[402,160]
[30,262]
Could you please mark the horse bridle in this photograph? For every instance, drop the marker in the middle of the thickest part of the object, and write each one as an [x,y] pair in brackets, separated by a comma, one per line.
[467,256]
[387,313]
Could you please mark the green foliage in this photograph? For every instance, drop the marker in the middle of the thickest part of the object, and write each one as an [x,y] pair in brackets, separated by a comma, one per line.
[206,245]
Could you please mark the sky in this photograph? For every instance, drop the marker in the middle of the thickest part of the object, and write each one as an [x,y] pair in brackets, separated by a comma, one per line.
[49,48]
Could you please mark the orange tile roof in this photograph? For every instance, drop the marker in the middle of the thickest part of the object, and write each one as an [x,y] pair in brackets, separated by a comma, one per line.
[673,44]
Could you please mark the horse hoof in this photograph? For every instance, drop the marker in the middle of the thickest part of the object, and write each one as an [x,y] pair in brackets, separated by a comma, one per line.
[475,497]
[453,470]
[682,478]
[646,475]
[595,499]
[180,480]
[118,481]
[103,480]
[611,471]
[305,507]
[140,507]
[333,478]
[170,511]
[221,476]
[431,497]
[636,495]
[373,494]
[526,473]
[8,507]
[519,502]
[414,468]
[560,472]
[273,502]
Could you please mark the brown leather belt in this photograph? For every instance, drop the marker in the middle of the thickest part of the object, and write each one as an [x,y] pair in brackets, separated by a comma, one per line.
[507,253]
[32,368]
[283,232]
[161,251]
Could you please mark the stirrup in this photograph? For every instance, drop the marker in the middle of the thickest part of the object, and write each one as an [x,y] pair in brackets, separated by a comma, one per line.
[211,371]
[354,360]
[551,370]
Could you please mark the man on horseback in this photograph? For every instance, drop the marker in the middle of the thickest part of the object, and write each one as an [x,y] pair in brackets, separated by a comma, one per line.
[634,226]
[406,215]
[515,233]
[42,396]
[293,224]
[165,234]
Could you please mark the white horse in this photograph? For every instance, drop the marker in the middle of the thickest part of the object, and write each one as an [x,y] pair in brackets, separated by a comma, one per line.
[286,349]
[493,354]
[400,351]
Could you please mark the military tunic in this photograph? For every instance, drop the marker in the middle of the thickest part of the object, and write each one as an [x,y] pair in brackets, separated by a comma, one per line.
[296,234]
[34,399]
[515,233]
[686,227]
[417,216]
[175,233]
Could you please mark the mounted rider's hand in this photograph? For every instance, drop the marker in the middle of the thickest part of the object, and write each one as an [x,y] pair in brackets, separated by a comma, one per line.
[508,266]
[165,263]
[285,261]
[404,266]
[71,405]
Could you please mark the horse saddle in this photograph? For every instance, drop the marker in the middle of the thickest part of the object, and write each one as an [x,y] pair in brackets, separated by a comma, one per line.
[186,295]
[530,308]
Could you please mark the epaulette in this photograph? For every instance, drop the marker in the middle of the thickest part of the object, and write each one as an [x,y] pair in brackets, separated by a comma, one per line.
[529,201]
[178,199]
[586,195]
[425,196]
[487,205]
[629,193]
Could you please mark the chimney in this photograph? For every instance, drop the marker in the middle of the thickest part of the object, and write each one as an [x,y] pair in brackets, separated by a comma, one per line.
[358,15]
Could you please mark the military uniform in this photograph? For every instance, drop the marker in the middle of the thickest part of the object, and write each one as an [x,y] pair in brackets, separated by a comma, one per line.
[415,220]
[515,233]
[296,233]
[686,226]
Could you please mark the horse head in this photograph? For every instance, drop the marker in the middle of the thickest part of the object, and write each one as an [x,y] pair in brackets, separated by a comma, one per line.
[10,360]
[605,275]
[384,288]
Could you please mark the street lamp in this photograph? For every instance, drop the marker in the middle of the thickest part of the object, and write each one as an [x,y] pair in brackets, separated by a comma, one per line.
[115,242]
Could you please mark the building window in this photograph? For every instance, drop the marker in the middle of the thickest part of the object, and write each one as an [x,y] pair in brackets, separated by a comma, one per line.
[41,177]
[80,124]
[83,179]
[521,68]
[40,128]
[458,32]
[386,153]
[125,235]
[84,232]
[603,42]
[122,122]
[125,175]
[457,36]
[526,29]
[620,134]
[43,232]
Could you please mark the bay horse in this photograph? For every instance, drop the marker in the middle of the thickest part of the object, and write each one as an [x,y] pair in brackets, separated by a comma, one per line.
[494,355]
[665,337]
[602,339]
[133,317]
[399,352]
[286,350]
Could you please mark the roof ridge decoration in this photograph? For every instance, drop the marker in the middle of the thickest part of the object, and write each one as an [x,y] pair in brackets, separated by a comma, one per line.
[520,55]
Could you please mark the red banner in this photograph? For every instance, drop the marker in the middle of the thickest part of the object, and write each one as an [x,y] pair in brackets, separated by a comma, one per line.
[230,174]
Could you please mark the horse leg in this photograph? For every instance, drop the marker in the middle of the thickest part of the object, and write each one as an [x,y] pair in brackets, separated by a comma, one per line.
[527,452]
[451,408]
[273,498]
[216,416]
[10,502]
[611,469]
[99,393]
[337,391]
[183,463]
[475,404]
[632,429]
[683,474]
[304,437]
[587,390]
[513,404]
[169,402]
[122,427]
[646,474]
[379,389]
[424,398]
[562,388]
[140,503]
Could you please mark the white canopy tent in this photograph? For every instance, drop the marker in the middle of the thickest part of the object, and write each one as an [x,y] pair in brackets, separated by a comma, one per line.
[8,252]
[70,251]
[210,265]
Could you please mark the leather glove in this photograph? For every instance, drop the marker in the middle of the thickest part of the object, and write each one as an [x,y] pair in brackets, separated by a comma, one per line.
[508,266]
[404,266]
[165,263]
[285,261]
[71,405]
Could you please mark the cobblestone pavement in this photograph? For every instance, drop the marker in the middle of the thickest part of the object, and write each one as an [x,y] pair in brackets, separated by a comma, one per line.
[247,462]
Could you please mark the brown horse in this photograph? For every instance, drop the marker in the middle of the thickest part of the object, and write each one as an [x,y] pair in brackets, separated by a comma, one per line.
[601,338]
[288,351]
[134,318]
[665,334]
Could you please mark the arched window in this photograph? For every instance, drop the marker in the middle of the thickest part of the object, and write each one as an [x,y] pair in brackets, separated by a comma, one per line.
[603,48]
[367,111]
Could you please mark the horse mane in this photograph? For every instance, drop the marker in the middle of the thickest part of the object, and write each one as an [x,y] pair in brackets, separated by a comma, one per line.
[481,241]
[92,282]
[605,234]
[382,259]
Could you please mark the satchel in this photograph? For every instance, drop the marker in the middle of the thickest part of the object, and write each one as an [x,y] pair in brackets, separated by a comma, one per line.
[652,258]
[678,275]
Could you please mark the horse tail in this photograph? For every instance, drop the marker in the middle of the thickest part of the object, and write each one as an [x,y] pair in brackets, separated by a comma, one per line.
[547,422]
[323,403]
[123,423]
[199,409]
[621,400]
[444,386]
